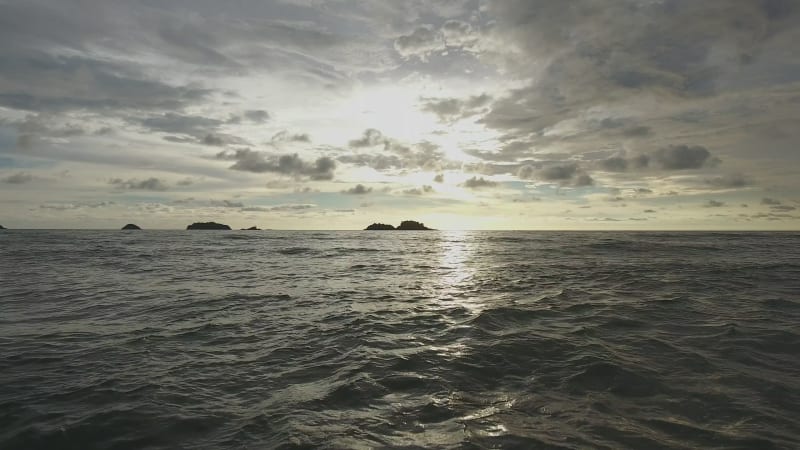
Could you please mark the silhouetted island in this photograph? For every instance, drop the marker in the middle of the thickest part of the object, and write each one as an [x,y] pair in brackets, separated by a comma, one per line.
[131,226]
[404,225]
[2,227]
[380,226]
[253,228]
[208,226]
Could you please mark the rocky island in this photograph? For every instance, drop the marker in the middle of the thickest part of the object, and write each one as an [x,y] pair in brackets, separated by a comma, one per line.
[253,228]
[208,226]
[131,226]
[380,226]
[404,225]
[2,227]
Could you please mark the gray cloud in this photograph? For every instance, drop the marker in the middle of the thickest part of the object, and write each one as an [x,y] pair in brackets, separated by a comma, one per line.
[394,155]
[420,42]
[681,157]
[602,65]
[181,124]
[42,82]
[358,189]
[614,164]
[149,184]
[457,33]
[565,174]
[477,183]
[213,140]
[770,201]
[734,180]
[713,204]
[77,205]
[583,180]
[425,189]
[258,115]
[639,131]
[675,157]
[226,203]
[18,178]
[259,162]
[370,138]
[285,136]
[293,207]
[558,173]
[450,109]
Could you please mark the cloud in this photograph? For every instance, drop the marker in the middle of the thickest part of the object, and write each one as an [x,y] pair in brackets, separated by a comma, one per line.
[713,204]
[37,81]
[293,207]
[181,124]
[213,140]
[674,157]
[257,115]
[734,180]
[394,155]
[18,178]
[457,33]
[478,183]
[681,157]
[776,205]
[565,174]
[292,165]
[358,189]
[439,178]
[451,109]
[583,180]
[614,164]
[285,136]
[420,42]
[425,189]
[370,138]
[558,173]
[149,184]
[77,205]
[226,203]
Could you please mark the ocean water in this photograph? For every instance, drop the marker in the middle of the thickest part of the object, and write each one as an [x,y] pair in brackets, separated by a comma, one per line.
[272,339]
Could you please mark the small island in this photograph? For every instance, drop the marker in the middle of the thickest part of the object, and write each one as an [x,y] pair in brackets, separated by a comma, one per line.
[131,226]
[2,227]
[404,225]
[380,226]
[253,228]
[208,226]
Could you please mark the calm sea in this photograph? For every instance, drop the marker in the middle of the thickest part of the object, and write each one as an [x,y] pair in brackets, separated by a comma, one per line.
[272,339]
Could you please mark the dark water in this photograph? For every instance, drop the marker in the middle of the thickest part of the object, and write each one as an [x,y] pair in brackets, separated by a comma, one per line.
[206,340]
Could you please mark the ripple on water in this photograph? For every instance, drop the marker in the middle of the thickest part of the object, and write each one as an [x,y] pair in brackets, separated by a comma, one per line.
[442,340]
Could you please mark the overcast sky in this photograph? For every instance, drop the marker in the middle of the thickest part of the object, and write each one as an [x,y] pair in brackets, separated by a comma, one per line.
[463,114]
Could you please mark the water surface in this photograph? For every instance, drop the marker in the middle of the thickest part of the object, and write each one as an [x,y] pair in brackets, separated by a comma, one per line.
[208,339]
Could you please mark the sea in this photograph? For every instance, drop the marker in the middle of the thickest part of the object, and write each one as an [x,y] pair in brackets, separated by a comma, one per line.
[399,340]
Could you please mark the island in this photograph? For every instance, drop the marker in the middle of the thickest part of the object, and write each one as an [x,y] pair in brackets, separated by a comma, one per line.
[2,227]
[380,226]
[253,228]
[131,226]
[404,225]
[208,226]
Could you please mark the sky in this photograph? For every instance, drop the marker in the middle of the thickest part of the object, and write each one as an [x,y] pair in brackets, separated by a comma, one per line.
[462,114]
